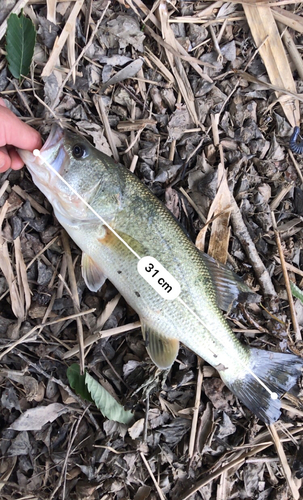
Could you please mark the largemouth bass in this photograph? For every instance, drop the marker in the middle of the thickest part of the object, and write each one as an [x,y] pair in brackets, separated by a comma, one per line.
[257,377]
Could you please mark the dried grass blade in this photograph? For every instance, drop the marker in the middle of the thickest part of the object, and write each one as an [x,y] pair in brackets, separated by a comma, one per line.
[9,466]
[102,335]
[141,84]
[176,65]
[59,43]
[31,332]
[75,296]
[209,10]
[294,319]
[133,126]
[17,301]
[232,464]
[194,425]
[183,54]
[288,18]
[253,79]
[292,50]
[283,460]
[85,48]
[236,460]
[4,187]
[266,36]
[51,10]
[71,54]
[263,2]
[159,491]
[88,19]
[108,131]
[21,274]
[108,310]
[3,211]
[7,270]
[161,67]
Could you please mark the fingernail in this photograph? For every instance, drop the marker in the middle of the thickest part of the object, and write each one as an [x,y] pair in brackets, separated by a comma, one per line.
[2,164]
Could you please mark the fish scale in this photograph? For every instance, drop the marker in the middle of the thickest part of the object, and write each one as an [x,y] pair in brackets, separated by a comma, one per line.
[144,223]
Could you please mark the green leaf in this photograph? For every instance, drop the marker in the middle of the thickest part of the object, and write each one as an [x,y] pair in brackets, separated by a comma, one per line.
[77,382]
[20,44]
[296,291]
[108,406]
[88,388]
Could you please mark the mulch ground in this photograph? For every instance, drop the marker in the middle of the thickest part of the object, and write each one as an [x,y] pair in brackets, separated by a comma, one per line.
[181,93]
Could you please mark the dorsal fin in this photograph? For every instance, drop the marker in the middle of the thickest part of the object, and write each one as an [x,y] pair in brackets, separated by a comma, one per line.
[230,288]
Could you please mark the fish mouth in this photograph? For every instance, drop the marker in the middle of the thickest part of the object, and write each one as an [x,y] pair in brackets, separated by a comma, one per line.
[55,137]
[53,155]
[52,152]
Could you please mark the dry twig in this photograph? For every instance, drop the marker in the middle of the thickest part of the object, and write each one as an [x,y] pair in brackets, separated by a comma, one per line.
[283,460]
[249,247]
[194,424]
[162,497]
[295,324]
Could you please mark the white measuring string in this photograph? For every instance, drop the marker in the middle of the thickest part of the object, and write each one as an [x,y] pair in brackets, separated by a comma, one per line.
[37,153]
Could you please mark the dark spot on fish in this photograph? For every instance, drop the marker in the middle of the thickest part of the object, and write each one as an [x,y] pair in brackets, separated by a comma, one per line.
[119,272]
[138,294]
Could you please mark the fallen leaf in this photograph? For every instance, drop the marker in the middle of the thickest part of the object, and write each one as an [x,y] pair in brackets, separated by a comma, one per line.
[35,418]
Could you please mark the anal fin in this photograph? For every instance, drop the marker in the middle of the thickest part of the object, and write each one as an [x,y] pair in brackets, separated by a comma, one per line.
[163,351]
[92,274]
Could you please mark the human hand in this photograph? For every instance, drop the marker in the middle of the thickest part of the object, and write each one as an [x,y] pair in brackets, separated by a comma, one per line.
[15,133]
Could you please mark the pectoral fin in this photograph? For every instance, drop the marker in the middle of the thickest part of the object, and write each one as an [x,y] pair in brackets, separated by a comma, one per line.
[110,239]
[162,351]
[92,274]
[136,245]
[230,288]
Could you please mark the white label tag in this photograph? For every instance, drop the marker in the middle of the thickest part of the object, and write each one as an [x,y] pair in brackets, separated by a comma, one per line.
[159,278]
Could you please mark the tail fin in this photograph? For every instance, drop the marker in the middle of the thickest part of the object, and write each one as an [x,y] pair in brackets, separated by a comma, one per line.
[278,371]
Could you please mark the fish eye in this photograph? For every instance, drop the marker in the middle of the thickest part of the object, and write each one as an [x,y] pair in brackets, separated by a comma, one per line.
[79,151]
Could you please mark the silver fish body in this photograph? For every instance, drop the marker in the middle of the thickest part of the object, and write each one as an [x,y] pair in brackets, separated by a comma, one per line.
[144,223]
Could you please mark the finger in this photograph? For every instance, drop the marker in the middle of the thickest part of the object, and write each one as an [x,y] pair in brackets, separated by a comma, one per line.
[5,161]
[2,102]
[16,161]
[13,131]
